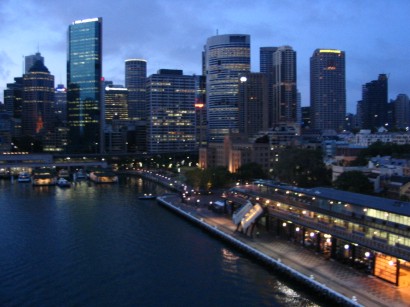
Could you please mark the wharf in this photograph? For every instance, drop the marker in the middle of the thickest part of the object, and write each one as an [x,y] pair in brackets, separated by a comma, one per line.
[343,284]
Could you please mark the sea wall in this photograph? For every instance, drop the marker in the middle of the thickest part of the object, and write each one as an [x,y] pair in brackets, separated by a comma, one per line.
[307,281]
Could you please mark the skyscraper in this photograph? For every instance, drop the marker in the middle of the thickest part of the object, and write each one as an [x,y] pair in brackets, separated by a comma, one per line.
[374,103]
[328,89]
[84,78]
[171,107]
[266,67]
[116,97]
[285,94]
[227,57]
[30,60]
[402,111]
[60,104]
[135,82]
[38,99]
[253,104]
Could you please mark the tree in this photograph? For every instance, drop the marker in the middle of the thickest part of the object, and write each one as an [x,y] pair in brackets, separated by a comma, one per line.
[251,171]
[301,167]
[354,181]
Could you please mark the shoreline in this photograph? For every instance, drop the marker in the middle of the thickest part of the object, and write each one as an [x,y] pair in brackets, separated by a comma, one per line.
[290,273]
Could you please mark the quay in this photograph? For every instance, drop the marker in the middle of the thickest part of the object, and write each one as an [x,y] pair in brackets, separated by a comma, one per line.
[336,282]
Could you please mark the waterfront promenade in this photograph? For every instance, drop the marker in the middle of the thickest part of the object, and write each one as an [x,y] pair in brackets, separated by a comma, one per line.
[366,290]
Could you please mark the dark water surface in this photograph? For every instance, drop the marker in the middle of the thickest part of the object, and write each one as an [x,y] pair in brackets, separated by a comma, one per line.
[98,245]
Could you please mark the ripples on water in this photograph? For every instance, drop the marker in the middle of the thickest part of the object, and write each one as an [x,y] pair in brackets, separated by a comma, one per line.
[98,245]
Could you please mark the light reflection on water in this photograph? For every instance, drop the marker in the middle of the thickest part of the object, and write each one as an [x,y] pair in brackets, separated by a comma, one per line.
[98,245]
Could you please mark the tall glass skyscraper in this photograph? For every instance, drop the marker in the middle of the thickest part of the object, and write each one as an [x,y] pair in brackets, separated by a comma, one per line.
[84,79]
[285,94]
[135,82]
[227,58]
[328,89]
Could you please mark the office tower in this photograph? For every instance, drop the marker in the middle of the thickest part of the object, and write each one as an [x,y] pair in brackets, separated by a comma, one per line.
[116,107]
[253,104]
[38,99]
[84,78]
[401,106]
[285,94]
[328,89]
[306,122]
[13,97]
[171,108]
[266,67]
[200,110]
[135,82]
[374,103]
[60,105]
[30,60]
[227,57]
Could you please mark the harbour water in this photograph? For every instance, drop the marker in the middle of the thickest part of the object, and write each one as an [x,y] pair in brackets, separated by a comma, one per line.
[99,245]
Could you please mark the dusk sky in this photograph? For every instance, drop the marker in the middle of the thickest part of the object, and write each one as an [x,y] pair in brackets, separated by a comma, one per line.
[172,33]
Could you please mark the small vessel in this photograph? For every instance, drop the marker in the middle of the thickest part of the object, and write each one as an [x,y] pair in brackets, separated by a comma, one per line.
[63,173]
[63,183]
[44,177]
[79,175]
[24,177]
[147,196]
[103,176]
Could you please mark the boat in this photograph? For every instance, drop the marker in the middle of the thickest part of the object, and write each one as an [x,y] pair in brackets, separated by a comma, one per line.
[103,176]
[63,173]
[44,177]
[63,183]
[79,175]
[147,197]
[24,177]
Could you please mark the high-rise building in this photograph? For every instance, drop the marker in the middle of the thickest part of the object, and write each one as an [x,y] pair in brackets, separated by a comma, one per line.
[328,89]
[402,111]
[171,108]
[253,104]
[200,110]
[227,57]
[84,92]
[30,60]
[374,104]
[38,99]
[135,82]
[13,97]
[60,105]
[116,98]
[266,67]
[285,94]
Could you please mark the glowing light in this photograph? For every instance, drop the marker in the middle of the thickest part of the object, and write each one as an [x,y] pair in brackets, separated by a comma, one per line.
[330,51]
[346,246]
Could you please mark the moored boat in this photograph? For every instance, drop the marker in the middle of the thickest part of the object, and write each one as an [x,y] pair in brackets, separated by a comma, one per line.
[44,177]
[103,176]
[147,196]
[63,183]
[24,177]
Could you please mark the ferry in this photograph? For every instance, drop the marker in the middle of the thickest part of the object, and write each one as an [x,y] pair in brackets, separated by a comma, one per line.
[43,177]
[147,197]
[63,183]
[63,173]
[24,177]
[103,176]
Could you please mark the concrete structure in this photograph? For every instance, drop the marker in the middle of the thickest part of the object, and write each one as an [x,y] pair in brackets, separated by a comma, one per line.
[116,103]
[171,109]
[135,82]
[227,57]
[235,152]
[328,89]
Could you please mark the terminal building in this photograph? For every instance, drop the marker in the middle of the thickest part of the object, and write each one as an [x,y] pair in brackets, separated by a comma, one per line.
[366,232]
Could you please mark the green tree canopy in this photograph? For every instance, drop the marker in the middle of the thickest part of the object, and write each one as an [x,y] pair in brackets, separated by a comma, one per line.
[354,181]
[251,171]
[301,167]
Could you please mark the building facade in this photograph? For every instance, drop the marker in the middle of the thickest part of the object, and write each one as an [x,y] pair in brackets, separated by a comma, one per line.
[253,104]
[328,89]
[171,108]
[60,105]
[84,78]
[38,101]
[226,58]
[374,103]
[30,60]
[401,106]
[116,103]
[135,82]
[266,67]
[285,94]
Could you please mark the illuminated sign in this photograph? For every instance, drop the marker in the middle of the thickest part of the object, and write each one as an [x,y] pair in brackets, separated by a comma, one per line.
[85,20]
[330,51]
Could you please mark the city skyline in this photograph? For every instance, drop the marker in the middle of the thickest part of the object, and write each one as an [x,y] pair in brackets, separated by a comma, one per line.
[172,35]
